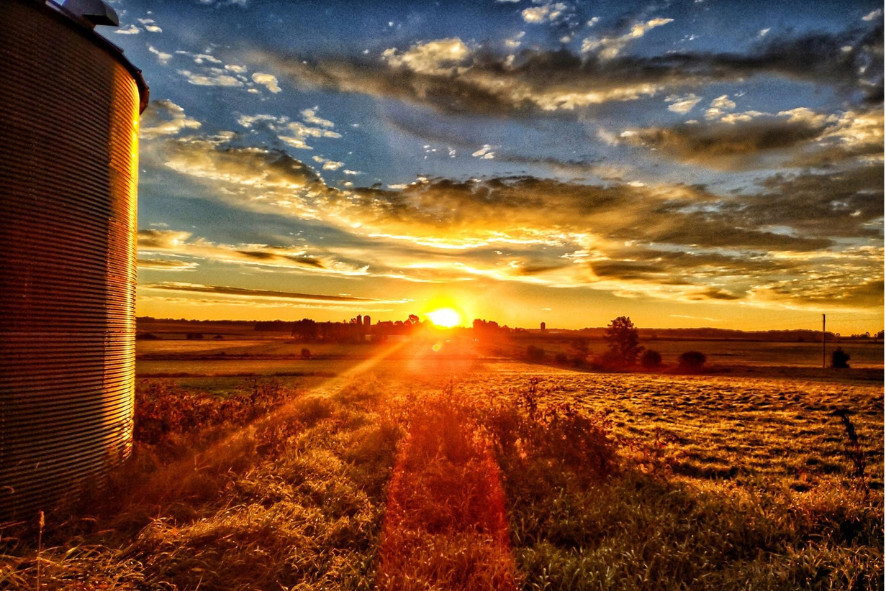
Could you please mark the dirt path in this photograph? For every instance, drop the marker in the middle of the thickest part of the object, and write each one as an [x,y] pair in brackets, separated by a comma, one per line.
[445,522]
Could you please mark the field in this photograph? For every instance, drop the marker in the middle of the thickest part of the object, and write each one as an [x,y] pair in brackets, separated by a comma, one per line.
[443,465]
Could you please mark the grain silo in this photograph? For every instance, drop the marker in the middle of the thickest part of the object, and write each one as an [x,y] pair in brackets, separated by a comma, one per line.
[69,110]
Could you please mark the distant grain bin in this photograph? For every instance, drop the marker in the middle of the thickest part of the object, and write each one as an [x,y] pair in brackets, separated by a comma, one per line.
[69,109]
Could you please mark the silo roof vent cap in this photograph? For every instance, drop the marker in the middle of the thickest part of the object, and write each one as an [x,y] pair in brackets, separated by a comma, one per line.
[94,12]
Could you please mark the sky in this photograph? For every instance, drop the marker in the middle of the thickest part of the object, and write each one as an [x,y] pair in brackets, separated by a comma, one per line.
[685,163]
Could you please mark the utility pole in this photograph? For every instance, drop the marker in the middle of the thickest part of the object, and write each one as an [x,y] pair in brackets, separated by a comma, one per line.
[823,333]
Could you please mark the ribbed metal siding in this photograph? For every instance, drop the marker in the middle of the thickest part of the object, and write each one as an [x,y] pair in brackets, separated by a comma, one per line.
[68,171]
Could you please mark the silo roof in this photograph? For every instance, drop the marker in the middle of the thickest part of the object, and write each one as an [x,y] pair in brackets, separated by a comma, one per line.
[84,28]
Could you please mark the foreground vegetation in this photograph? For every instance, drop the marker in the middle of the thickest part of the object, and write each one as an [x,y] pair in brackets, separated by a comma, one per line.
[491,482]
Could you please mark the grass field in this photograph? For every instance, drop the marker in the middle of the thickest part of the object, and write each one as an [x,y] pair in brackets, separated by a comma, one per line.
[413,472]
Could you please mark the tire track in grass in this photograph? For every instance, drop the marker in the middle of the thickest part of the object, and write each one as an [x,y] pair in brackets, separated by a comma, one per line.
[445,524]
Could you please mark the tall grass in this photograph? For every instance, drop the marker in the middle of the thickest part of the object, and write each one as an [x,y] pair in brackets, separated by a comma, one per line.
[606,483]
[273,502]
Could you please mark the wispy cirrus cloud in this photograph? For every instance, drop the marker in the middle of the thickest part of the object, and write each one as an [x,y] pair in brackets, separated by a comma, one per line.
[609,47]
[240,292]
[181,244]
[166,264]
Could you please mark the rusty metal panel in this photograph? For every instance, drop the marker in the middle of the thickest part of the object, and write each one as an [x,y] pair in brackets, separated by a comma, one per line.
[69,109]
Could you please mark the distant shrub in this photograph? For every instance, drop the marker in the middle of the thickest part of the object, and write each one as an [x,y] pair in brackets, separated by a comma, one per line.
[610,361]
[146,336]
[534,353]
[561,359]
[194,336]
[650,359]
[692,360]
[305,353]
[839,359]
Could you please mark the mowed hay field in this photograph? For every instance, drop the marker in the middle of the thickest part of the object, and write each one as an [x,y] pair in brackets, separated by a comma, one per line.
[412,473]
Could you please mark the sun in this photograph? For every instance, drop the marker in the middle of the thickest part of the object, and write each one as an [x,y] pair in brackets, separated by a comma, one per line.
[445,317]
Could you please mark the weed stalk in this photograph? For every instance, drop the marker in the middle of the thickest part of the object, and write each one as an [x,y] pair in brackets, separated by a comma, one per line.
[853,449]
[40,524]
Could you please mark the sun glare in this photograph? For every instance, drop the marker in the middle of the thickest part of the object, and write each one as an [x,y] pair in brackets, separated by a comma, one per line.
[445,317]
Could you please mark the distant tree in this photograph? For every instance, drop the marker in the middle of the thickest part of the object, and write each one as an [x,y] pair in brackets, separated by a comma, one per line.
[561,359]
[305,330]
[692,360]
[535,353]
[650,359]
[623,340]
[839,359]
[305,353]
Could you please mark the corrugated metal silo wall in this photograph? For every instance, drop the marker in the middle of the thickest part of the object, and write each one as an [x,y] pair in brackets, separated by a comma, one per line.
[68,172]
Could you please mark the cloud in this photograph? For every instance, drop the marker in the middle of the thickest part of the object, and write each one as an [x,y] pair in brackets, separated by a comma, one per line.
[874,14]
[520,208]
[128,30]
[667,240]
[211,77]
[719,106]
[164,118]
[439,57]
[154,240]
[846,204]
[310,117]
[166,264]
[302,131]
[486,153]
[328,164]
[292,133]
[730,146]
[682,104]
[269,81]
[857,135]
[837,290]
[534,81]
[796,138]
[239,3]
[162,57]
[714,293]
[240,292]
[254,178]
[296,258]
[607,48]
[544,13]
[150,25]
